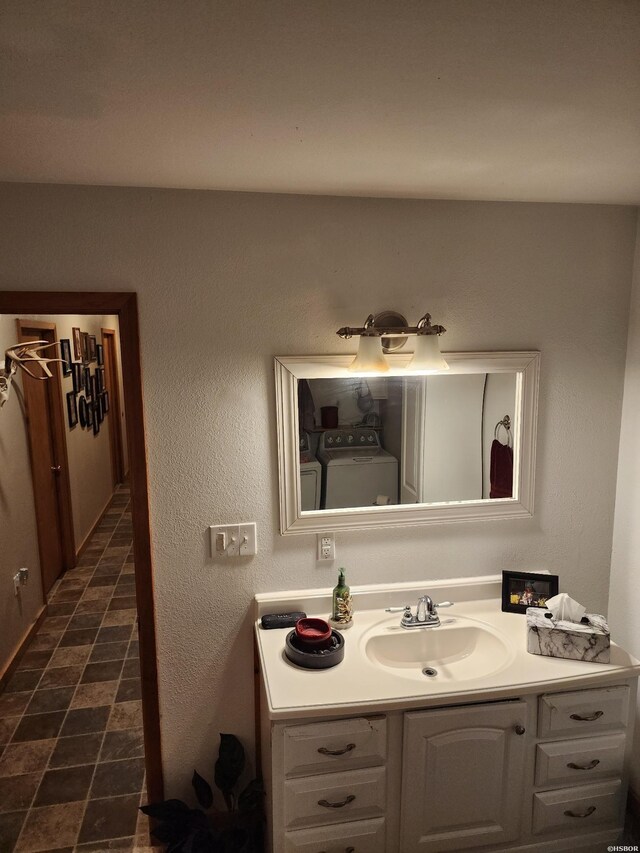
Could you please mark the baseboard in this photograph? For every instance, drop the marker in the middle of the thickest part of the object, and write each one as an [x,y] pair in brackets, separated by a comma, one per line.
[94,527]
[21,648]
[633,803]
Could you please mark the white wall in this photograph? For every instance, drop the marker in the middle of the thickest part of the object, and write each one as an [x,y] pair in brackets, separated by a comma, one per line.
[18,532]
[624,595]
[227,281]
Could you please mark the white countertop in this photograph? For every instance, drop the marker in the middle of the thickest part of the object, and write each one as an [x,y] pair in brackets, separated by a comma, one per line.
[359,684]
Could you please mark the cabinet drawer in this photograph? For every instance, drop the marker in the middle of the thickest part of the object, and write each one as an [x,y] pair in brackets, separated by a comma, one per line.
[577,808]
[363,836]
[340,745]
[583,711]
[334,797]
[571,761]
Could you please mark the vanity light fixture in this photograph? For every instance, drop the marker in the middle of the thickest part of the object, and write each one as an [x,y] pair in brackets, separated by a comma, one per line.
[379,335]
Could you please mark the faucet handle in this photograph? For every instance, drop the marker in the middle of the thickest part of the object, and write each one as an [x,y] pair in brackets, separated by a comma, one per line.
[445,604]
[397,609]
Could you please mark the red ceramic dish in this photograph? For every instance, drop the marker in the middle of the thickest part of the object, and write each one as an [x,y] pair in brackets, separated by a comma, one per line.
[313,631]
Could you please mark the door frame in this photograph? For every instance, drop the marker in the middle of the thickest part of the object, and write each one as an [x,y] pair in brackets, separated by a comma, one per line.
[125,306]
[115,424]
[57,425]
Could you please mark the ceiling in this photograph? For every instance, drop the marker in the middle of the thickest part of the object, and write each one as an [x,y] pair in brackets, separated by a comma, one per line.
[529,100]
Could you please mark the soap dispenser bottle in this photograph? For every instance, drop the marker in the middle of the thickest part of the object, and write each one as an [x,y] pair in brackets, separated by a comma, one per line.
[342,615]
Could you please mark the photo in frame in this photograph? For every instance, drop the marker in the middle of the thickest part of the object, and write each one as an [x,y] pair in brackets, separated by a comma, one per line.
[105,402]
[94,389]
[100,354]
[85,347]
[96,421]
[100,379]
[87,382]
[65,354]
[77,343]
[82,412]
[92,347]
[78,378]
[72,409]
[89,411]
[99,411]
[526,589]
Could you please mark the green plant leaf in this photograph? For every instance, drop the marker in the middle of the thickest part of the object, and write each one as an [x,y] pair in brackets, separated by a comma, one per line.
[168,810]
[203,790]
[229,766]
[251,797]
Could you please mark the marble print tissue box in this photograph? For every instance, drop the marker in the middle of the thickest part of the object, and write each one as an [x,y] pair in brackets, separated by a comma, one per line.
[573,640]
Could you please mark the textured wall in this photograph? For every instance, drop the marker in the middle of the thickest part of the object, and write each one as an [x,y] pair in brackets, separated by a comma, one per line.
[18,535]
[227,281]
[625,559]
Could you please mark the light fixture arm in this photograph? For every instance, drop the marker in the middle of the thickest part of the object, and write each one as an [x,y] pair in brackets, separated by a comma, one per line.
[370,329]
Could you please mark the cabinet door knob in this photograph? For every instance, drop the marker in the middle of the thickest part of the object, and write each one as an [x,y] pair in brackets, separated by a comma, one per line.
[519,730]
[588,812]
[588,766]
[589,718]
[324,751]
[327,805]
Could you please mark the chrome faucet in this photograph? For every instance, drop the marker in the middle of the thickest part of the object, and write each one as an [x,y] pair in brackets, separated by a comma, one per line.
[426,615]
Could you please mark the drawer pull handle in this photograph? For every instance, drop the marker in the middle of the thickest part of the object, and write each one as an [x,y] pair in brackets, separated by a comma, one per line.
[588,719]
[588,812]
[327,805]
[588,766]
[346,850]
[324,751]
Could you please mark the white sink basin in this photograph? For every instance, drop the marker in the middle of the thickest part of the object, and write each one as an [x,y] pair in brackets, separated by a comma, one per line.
[458,650]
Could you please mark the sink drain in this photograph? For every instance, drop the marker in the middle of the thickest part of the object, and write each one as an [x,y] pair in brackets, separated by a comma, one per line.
[430,672]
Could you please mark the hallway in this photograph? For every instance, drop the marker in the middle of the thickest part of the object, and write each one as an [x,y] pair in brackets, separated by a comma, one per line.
[71,740]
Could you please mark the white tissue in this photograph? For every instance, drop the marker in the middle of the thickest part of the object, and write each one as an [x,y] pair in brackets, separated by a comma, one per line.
[564,609]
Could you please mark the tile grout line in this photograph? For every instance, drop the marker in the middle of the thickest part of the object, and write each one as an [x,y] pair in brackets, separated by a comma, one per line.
[88,579]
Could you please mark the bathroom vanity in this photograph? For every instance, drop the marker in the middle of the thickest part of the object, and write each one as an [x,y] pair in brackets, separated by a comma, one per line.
[441,739]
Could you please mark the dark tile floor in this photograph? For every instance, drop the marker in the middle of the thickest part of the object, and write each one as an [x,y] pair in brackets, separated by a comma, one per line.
[71,748]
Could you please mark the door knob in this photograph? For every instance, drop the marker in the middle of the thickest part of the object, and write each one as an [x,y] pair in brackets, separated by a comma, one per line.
[519,730]
[56,469]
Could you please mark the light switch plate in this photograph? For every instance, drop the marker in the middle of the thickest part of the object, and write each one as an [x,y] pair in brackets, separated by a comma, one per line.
[225,541]
[248,538]
[234,540]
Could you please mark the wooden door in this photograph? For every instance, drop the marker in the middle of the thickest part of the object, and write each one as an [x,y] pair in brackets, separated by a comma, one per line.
[463,777]
[49,466]
[111,373]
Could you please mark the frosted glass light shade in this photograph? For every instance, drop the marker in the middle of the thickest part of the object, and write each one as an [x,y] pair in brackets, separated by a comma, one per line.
[427,355]
[370,358]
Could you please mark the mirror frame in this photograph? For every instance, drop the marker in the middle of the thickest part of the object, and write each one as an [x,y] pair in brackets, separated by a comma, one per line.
[288,369]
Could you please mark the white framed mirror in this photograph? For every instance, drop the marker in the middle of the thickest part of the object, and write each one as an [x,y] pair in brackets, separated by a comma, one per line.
[362,451]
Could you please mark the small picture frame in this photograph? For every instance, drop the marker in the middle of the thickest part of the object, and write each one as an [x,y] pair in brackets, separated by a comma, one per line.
[72,409]
[89,410]
[65,354]
[88,387]
[82,412]
[99,354]
[526,589]
[100,379]
[94,389]
[92,347]
[78,377]
[105,402]
[96,420]
[85,347]
[77,343]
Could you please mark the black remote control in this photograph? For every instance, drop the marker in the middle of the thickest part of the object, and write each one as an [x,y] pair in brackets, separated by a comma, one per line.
[281,620]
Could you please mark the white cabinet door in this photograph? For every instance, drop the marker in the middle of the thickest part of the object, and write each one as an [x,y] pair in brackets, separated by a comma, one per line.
[463,777]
